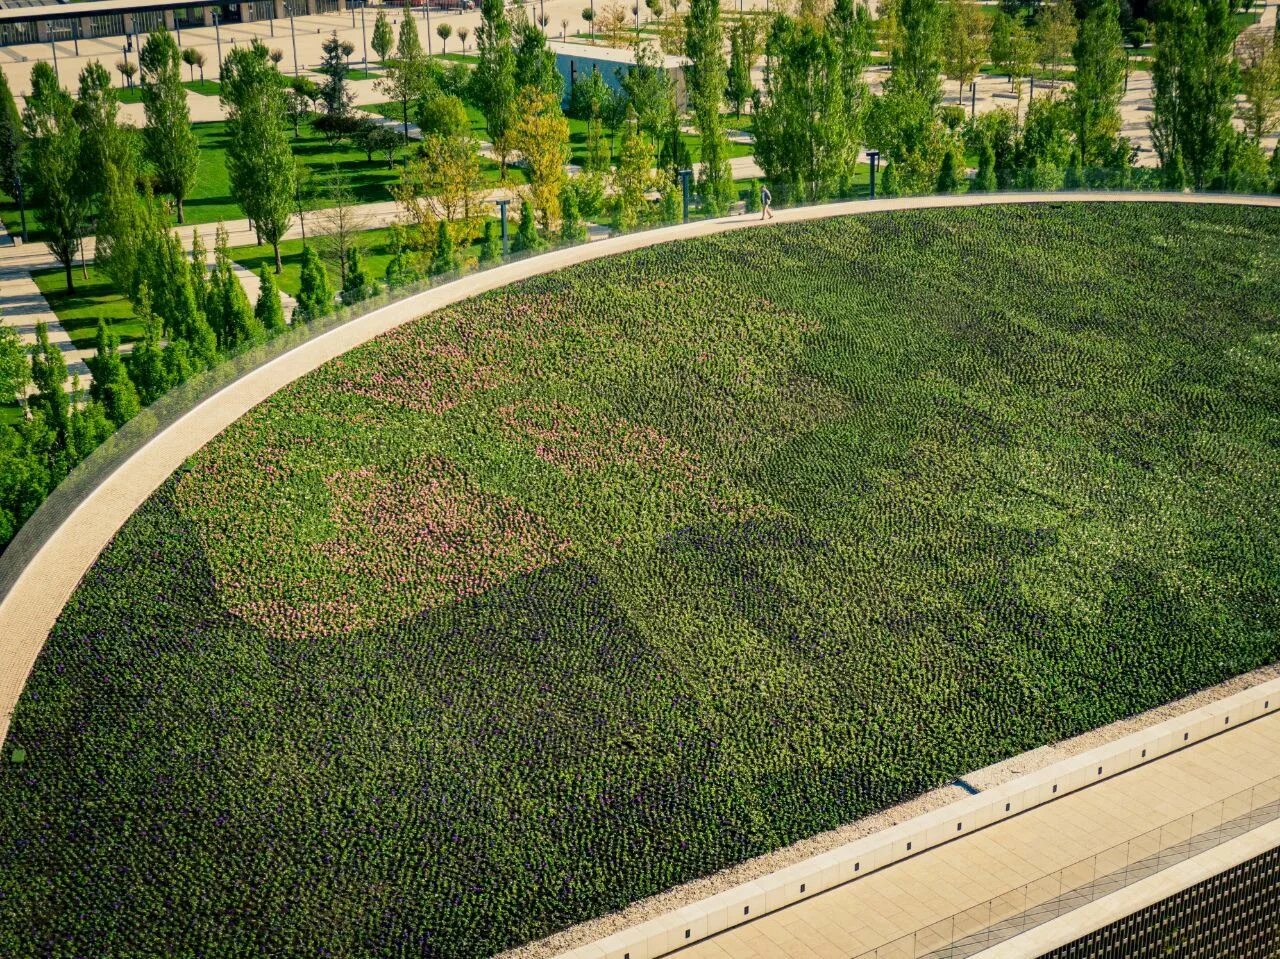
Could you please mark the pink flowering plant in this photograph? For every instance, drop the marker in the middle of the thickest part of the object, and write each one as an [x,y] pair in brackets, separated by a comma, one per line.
[608,580]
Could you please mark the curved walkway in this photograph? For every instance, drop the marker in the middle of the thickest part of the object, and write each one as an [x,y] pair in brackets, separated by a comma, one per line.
[40,590]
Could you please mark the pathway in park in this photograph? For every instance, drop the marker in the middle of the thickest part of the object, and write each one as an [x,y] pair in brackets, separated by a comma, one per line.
[22,306]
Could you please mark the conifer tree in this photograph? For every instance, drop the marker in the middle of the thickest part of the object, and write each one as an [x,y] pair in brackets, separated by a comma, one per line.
[315,297]
[527,238]
[268,309]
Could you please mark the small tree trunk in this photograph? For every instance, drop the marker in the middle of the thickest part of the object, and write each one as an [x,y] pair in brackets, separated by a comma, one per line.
[279,266]
[71,280]
[181,216]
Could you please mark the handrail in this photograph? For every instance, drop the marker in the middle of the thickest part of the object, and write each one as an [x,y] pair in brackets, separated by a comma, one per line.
[989,923]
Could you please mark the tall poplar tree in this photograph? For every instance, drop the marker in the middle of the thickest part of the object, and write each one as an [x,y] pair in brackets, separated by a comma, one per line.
[406,78]
[259,160]
[1193,84]
[104,144]
[61,198]
[168,141]
[493,81]
[1099,81]
[809,128]
[13,143]
[705,79]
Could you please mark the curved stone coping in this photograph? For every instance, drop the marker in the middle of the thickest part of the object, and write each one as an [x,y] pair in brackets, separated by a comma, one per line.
[1146,892]
[39,591]
[741,904]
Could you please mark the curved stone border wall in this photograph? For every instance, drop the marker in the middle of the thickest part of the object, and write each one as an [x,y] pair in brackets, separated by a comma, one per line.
[42,587]
[742,904]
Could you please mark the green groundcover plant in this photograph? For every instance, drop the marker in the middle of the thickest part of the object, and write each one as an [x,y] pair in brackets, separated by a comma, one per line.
[607,580]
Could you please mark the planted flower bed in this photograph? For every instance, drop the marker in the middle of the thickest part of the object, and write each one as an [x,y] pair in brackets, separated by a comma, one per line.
[616,577]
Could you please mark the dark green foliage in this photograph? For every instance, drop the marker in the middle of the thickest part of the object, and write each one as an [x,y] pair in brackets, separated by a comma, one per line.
[1193,86]
[491,245]
[985,181]
[400,269]
[590,96]
[527,238]
[315,298]
[948,177]
[146,364]
[572,229]
[48,374]
[445,259]
[888,187]
[358,284]
[567,594]
[268,309]
[111,385]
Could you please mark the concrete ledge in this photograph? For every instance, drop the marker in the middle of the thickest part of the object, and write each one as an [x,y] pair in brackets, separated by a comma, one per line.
[1147,892]
[666,933]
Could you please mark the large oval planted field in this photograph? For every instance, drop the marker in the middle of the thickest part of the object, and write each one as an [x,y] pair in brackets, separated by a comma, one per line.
[597,584]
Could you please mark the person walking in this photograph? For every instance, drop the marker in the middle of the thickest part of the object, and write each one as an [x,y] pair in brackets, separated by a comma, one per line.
[766,203]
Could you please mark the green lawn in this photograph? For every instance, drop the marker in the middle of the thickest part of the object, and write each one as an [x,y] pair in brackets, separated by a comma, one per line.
[133,94]
[211,200]
[373,250]
[10,414]
[578,142]
[93,298]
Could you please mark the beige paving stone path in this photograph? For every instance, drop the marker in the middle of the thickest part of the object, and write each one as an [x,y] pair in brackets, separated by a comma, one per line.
[22,306]
[850,920]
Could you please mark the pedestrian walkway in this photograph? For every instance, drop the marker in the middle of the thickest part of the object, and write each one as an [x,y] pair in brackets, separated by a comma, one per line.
[23,306]
[947,880]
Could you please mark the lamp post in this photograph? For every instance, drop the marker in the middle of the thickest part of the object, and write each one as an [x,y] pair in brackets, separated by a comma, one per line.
[685,177]
[75,35]
[364,42]
[502,209]
[973,98]
[54,47]
[874,157]
[217,35]
[293,33]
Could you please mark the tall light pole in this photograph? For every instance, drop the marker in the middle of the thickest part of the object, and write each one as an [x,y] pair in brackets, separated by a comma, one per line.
[364,43]
[502,207]
[217,35]
[293,32]
[874,157]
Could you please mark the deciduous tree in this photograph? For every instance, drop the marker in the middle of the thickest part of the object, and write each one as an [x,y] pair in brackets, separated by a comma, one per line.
[1099,82]
[1193,87]
[59,194]
[705,76]
[541,134]
[260,163]
[169,143]
[493,81]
